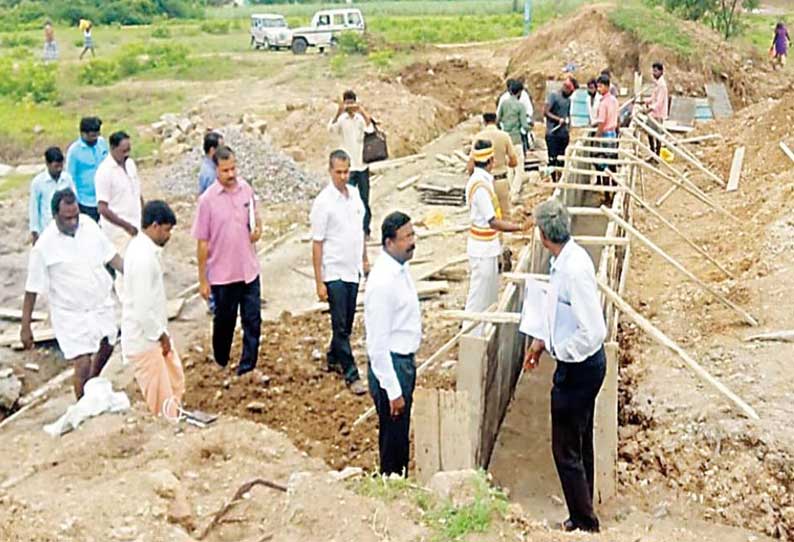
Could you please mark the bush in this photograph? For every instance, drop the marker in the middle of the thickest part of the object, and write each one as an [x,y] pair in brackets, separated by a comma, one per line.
[217,27]
[99,73]
[131,60]
[352,43]
[19,40]
[27,80]
[381,59]
[161,32]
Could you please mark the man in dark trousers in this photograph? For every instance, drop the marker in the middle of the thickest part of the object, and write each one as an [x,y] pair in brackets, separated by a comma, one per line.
[340,260]
[557,112]
[226,228]
[394,332]
[574,336]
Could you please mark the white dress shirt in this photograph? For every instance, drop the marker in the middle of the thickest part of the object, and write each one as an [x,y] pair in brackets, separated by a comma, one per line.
[70,270]
[144,316]
[120,188]
[392,319]
[338,222]
[351,130]
[481,211]
[576,319]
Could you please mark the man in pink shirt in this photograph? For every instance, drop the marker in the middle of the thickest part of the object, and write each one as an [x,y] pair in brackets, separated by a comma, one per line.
[607,119]
[658,105]
[227,227]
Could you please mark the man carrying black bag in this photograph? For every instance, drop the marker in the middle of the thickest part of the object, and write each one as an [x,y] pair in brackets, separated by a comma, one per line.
[351,123]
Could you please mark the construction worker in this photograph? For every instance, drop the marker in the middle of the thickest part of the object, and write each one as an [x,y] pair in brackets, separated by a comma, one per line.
[67,263]
[573,334]
[512,117]
[557,112]
[607,120]
[505,157]
[657,106]
[393,322]
[483,247]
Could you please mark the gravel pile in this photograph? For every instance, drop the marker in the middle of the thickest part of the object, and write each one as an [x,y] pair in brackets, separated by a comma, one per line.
[276,177]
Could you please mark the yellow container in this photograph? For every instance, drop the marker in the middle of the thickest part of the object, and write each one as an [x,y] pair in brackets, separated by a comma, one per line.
[666,155]
[84,23]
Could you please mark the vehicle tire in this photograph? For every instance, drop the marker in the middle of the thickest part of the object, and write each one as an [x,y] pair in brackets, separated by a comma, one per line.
[299,46]
[253,43]
[266,46]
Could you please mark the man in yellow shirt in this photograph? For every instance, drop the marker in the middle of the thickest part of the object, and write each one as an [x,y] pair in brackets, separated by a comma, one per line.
[504,157]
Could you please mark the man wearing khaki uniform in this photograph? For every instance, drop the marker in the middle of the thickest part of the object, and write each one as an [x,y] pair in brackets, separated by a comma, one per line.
[505,158]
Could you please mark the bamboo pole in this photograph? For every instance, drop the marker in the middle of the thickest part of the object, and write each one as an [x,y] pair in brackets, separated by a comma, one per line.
[782,336]
[482,317]
[668,343]
[672,227]
[683,154]
[654,248]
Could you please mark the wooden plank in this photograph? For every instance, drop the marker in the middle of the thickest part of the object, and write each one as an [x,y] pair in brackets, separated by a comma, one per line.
[16,315]
[782,336]
[747,317]
[441,189]
[579,186]
[587,240]
[27,402]
[736,169]
[382,165]
[454,413]
[40,334]
[668,343]
[427,433]
[175,307]
[488,317]
[719,100]
[787,150]
[700,139]
[408,182]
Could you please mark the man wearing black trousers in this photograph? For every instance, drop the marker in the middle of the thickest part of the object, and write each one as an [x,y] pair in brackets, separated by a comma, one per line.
[394,333]
[226,228]
[340,260]
[350,123]
[576,341]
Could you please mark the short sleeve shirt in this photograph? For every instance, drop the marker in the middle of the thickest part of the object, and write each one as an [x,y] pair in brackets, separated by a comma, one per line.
[120,188]
[560,106]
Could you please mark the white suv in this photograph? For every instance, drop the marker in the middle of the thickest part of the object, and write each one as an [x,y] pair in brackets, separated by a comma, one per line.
[270,31]
[325,29]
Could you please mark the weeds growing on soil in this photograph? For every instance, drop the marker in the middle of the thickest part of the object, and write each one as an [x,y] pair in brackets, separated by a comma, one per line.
[653,26]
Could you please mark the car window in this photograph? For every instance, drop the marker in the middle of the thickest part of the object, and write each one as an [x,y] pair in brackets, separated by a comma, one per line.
[339,19]
[275,23]
[354,19]
[256,23]
[324,20]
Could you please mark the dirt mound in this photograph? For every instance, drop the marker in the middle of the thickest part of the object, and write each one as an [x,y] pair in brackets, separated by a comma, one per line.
[465,88]
[592,43]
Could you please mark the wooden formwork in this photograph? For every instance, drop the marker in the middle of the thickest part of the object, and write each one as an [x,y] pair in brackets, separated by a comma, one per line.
[458,429]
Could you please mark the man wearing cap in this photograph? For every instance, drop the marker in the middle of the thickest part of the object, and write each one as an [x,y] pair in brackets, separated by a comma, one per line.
[505,157]
[558,112]
[483,247]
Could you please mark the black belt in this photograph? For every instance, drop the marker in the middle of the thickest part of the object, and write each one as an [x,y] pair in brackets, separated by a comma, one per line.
[500,177]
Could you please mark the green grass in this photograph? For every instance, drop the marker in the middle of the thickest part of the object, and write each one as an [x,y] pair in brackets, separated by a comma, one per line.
[653,26]
[446,521]
[13,183]
[759,30]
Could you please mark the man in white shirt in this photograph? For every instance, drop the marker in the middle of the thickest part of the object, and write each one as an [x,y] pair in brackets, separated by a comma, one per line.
[144,323]
[483,247]
[340,260]
[350,123]
[573,335]
[394,332]
[68,265]
[118,192]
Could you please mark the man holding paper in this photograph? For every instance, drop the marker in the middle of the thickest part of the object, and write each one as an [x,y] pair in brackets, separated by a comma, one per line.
[568,324]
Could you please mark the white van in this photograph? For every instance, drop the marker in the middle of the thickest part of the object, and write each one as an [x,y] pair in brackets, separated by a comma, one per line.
[326,26]
[270,31]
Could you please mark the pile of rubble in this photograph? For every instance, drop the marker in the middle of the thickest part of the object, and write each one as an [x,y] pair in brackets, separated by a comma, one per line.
[275,175]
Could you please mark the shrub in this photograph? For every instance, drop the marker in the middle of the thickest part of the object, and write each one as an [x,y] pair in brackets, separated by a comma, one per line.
[19,40]
[99,73]
[352,43]
[338,64]
[161,32]
[215,27]
[27,80]
[381,59]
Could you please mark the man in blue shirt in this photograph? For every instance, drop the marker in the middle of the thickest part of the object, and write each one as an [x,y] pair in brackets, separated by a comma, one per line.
[209,171]
[83,159]
[42,187]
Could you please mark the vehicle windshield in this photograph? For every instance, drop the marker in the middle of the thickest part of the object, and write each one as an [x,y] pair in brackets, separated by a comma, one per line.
[269,23]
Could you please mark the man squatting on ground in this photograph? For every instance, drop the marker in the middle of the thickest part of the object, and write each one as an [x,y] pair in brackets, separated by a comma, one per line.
[339,257]
[394,332]
[226,229]
[482,246]
[351,122]
[576,333]
[68,265]
[145,340]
